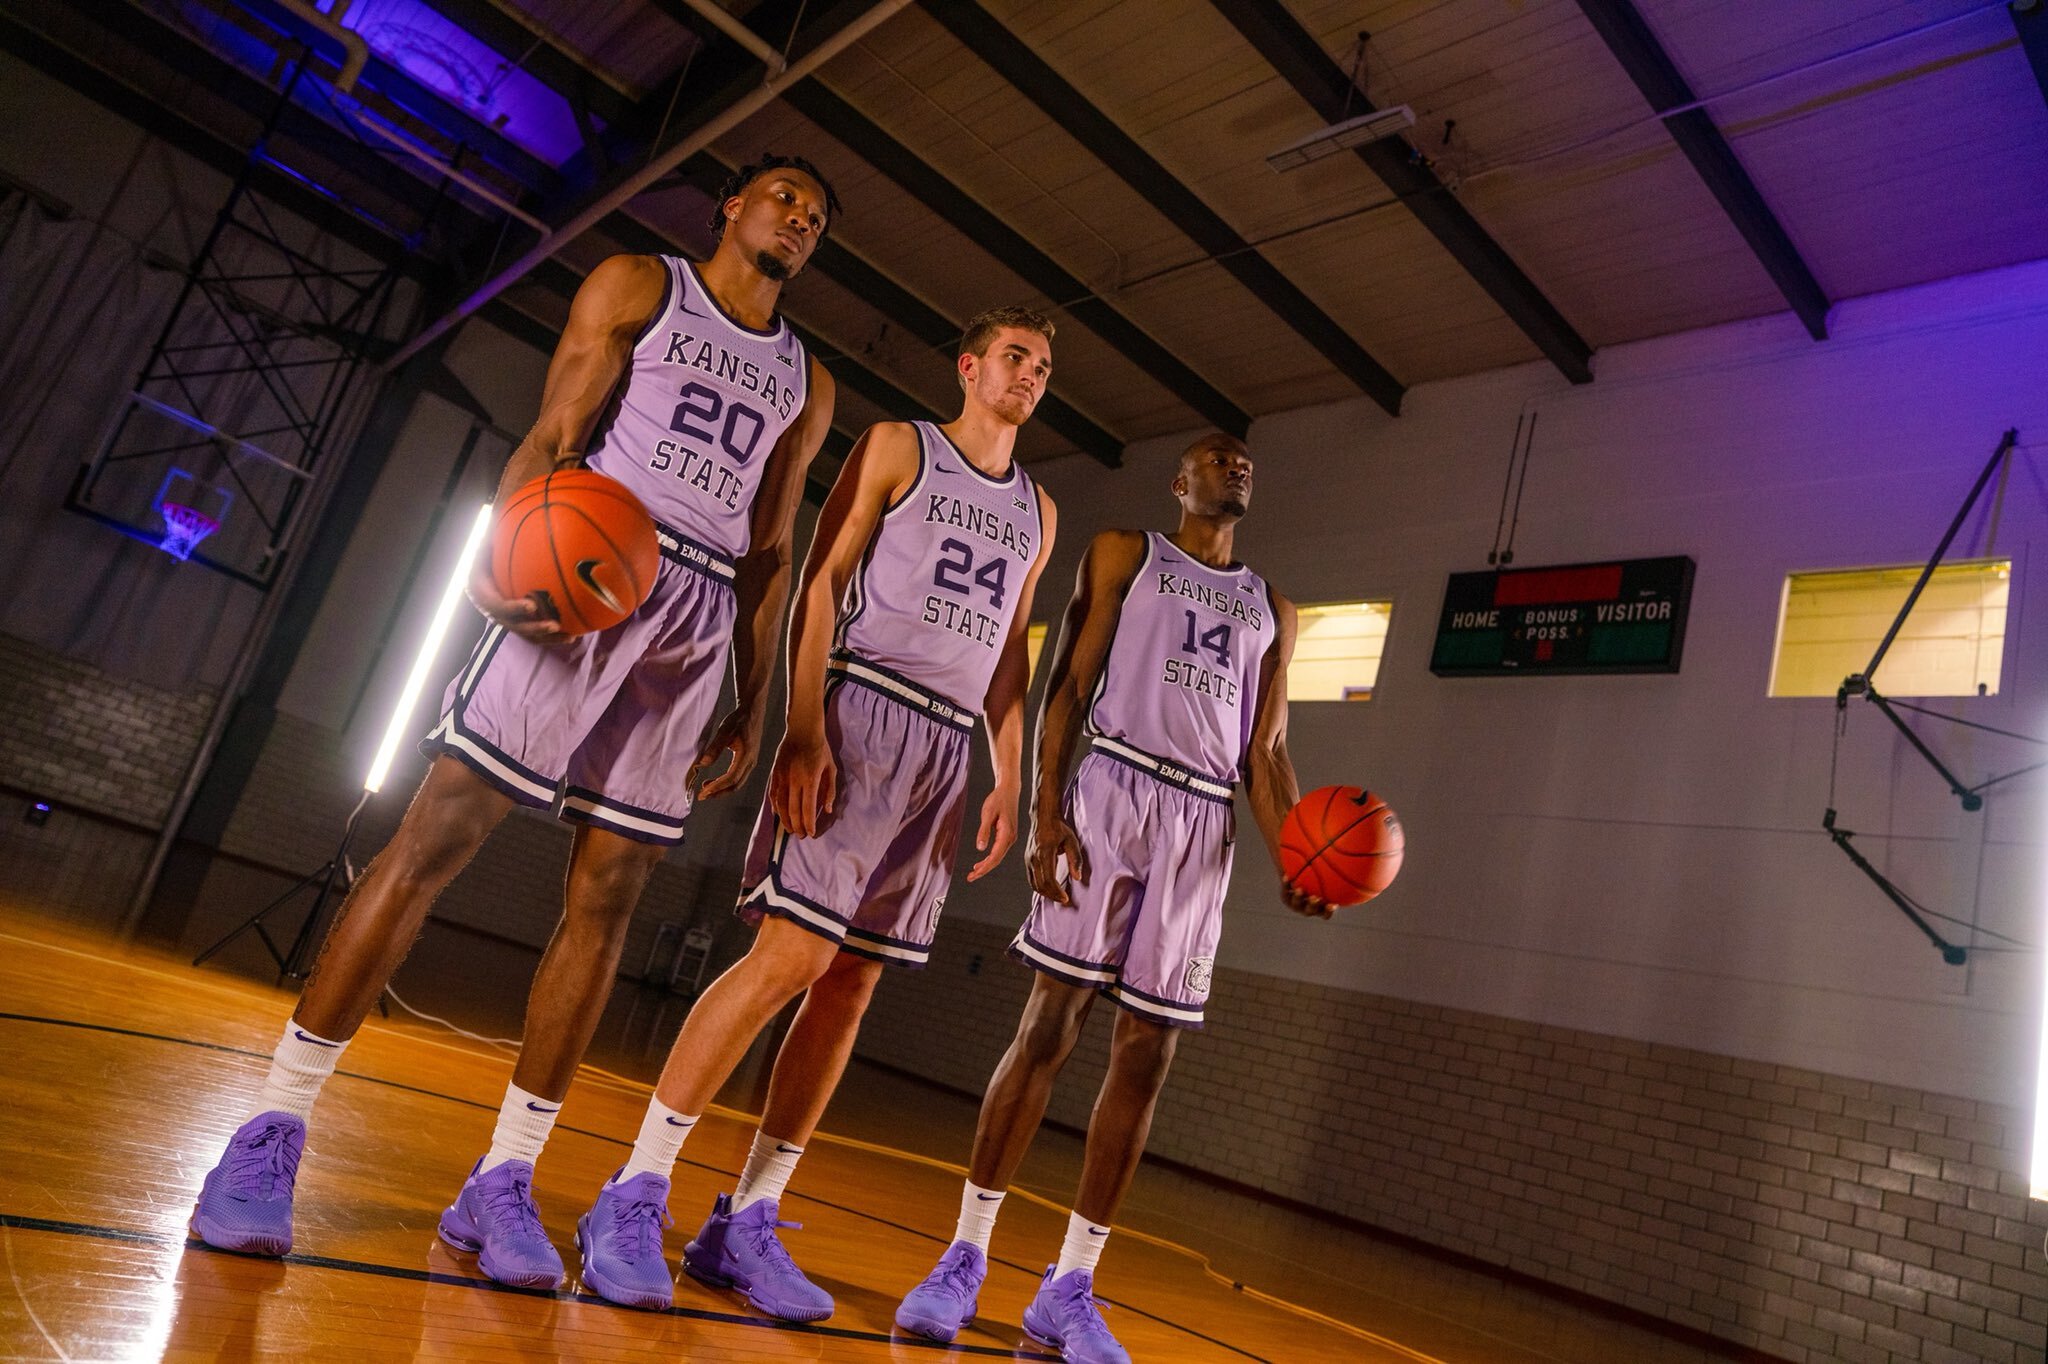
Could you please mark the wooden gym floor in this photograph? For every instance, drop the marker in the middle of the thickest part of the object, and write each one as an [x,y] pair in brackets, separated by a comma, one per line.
[123,1070]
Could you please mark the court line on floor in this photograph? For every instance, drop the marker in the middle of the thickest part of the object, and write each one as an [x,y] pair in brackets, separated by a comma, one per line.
[616,1081]
[7,1247]
[168,1241]
[47,1021]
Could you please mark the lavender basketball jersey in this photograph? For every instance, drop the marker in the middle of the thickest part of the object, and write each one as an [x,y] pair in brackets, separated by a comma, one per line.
[1182,680]
[938,586]
[703,404]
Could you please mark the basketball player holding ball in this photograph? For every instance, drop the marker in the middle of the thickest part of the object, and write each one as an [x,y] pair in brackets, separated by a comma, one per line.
[684,385]
[1172,672]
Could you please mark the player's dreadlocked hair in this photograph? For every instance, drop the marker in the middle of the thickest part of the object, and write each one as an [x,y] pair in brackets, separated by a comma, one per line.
[748,174]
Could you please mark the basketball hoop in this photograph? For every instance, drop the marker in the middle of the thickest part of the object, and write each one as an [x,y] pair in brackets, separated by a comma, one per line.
[192,509]
[184,528]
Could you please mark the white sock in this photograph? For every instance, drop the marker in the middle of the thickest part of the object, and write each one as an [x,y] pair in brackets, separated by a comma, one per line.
[299,1066]
[524,1124]
[1083,1246]
[978,1209]
[660,1141]
[769,1165]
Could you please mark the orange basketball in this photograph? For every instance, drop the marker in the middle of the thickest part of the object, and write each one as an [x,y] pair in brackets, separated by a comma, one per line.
[1341,844]
[581,543]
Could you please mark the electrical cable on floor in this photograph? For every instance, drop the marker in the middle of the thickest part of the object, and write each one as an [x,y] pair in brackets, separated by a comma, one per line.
[502,1042]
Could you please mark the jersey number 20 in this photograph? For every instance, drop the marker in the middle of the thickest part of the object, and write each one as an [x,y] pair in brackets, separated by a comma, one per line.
[703,403]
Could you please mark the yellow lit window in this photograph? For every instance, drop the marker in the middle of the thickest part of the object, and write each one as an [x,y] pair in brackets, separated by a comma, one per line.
[1951,645]
[1337,648]
[1034,645]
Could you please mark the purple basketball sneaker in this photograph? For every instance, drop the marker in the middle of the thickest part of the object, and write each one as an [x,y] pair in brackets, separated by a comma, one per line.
[246,1202]
[949,1295]
[495,1219]
[741,1250]
[1065,1314]
[620,1241]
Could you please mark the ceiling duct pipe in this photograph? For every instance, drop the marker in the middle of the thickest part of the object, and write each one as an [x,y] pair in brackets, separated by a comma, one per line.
[355,52]
[654,170]
[727,23]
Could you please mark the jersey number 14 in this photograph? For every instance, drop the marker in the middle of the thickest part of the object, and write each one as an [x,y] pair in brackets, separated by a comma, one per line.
[1216,641]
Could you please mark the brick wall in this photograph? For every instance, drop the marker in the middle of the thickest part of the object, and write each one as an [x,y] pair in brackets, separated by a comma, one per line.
[1810,1216]
[72,865]
[84,737]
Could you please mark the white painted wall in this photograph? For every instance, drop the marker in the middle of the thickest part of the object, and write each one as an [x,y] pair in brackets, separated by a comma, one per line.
[1641,856]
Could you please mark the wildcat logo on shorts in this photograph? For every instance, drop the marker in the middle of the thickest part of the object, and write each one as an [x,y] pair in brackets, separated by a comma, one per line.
[1200,971]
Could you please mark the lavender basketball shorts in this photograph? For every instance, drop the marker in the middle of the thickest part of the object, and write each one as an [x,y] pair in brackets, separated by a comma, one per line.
[602,729]
[1144,929]
[874,878]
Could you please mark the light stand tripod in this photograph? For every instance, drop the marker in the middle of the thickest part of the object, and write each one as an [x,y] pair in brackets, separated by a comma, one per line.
[337,872]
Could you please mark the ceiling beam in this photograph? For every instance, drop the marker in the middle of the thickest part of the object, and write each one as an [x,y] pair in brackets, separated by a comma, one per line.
[1009,247]
[654,126]
[1629,38]
[833,261]
[928,325]
[230,158]
[539,57]
[201,144]
[2030,21]
[634,235]
[450,119]
[1294,52]
[902,308]
[986,37]
[717,74]
[900,304]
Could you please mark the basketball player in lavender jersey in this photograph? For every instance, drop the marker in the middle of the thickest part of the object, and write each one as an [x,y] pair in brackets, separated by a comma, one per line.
[909,617]
[1173,659]
[682,383]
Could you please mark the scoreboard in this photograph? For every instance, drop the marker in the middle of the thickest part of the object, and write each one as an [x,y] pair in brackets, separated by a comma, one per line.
[1623,617]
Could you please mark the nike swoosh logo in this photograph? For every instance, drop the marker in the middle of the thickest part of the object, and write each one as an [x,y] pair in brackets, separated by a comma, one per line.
[789,1150]
[586,569]
[1098,1231]
[678,1122]
[538,1109]
[988,1197]
[1168,559]
[944,470]
[303,1037]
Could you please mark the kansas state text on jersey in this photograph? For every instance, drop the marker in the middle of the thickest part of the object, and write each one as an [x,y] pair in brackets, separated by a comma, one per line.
[1182,677]
[704,402]
[937,588]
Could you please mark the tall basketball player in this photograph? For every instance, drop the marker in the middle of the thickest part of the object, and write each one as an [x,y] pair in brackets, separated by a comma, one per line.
[911,613]
[683,384]
[1173,657]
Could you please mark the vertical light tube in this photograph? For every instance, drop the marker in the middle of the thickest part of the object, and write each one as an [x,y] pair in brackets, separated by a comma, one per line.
[430,648]
[2037,1168]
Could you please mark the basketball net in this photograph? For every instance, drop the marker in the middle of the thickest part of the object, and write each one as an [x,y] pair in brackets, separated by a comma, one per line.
[184,528]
